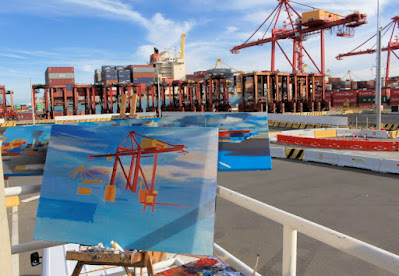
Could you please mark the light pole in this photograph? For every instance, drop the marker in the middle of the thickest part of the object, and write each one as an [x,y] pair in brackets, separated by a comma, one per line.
[378,73]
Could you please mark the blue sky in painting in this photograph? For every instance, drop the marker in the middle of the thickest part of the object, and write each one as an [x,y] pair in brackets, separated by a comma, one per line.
[184,179]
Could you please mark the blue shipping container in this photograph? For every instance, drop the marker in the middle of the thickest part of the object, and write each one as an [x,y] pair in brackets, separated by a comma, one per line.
[143,80]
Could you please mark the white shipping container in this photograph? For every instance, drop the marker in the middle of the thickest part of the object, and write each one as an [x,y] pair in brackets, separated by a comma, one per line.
[57,76]
[143,69]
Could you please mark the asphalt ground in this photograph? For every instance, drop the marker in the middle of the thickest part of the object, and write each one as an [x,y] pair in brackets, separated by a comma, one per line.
[362,204]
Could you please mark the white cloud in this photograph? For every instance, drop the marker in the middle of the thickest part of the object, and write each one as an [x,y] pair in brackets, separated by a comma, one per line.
[12,56]
[67,148]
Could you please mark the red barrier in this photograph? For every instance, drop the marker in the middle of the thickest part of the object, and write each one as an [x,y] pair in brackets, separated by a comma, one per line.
[338,144]
[381,146]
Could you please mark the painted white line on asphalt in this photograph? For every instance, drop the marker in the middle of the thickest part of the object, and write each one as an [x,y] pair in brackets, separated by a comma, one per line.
[30,199]
[15,239]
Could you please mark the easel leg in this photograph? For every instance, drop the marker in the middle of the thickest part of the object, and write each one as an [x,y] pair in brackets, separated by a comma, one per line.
[150,268]
[127,271]
[77,269]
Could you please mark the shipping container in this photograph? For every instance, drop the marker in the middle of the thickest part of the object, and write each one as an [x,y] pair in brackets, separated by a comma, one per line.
[55,76]
[142,66]
[124,72]
[345,94]
[60,70]
[61,82]
[107,67]
[371,99]
[143,75]
[111,81]
[120,67]
[143,80]
[143,69]
[110,77]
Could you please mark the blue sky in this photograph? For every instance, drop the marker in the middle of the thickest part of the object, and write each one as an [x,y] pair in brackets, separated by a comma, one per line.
[89,33]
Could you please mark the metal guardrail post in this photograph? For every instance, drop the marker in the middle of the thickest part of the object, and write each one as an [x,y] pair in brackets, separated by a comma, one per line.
[5,243]
[289,251]
[23,190]
[34,245]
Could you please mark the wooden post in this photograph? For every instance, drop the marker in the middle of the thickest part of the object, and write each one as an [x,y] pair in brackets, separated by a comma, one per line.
[122,111]
[5,246]
[133,104]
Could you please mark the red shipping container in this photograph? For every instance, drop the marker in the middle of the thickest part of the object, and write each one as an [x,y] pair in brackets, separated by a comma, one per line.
[367,93]
[111,81]
[132,66]
[394,91]
[60,69]
[143,75]
[345,93]
[61,82]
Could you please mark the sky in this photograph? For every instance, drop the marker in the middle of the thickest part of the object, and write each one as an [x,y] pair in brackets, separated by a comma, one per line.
[87,34]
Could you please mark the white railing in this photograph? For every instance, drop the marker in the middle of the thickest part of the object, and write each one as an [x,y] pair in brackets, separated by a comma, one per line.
[291,225]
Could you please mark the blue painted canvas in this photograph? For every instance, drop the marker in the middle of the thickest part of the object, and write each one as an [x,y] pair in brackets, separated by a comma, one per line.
[24,150]
[243,137]
[146,188]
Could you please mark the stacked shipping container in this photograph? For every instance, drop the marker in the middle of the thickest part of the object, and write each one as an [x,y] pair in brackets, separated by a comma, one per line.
[60,76]
[394,99]
[143,73]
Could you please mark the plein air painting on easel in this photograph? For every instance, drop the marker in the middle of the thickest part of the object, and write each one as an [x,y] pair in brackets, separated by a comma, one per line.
[146,188]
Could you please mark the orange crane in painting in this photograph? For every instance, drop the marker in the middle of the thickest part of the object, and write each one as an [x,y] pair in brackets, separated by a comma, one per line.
[147,147]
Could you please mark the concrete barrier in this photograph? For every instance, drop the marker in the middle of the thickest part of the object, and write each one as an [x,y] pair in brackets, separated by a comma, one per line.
[389,166]
[375,133]
[325,133]
[362,162]
[348,132]
[324,120]
[299,133]
[321,157]
[277,152]
[273,136]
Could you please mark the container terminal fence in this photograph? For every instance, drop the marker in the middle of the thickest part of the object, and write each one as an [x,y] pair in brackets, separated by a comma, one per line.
[292,224]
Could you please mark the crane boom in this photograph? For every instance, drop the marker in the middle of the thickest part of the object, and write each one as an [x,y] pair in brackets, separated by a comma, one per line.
[352,20]
[297,29]
[393,46]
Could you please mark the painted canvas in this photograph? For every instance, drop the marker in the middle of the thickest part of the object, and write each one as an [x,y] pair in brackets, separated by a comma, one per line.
[24,150]
[243,137]
[146,188]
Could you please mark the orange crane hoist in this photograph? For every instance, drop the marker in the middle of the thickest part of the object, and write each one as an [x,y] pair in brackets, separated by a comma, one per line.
[147,147]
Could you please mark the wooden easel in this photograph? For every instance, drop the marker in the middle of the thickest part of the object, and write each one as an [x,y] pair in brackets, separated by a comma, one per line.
[126,260]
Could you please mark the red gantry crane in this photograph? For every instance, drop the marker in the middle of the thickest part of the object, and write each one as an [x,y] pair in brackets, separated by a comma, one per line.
[147,147]
[304,25]
[393,44]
